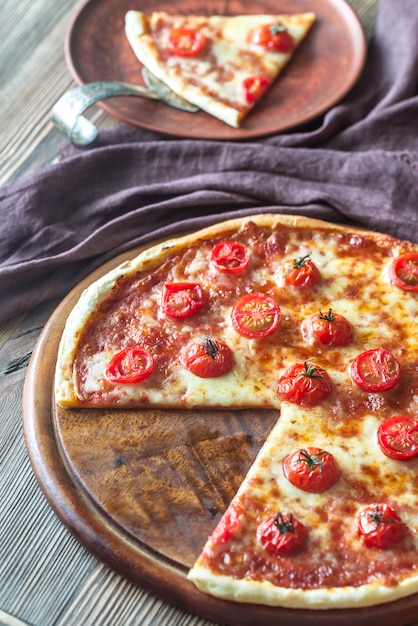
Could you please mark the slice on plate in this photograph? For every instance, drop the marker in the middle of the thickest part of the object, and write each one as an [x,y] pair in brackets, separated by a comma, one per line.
[222,64]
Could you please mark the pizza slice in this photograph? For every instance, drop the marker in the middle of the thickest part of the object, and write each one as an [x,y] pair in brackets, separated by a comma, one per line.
[324,519]
[222,64]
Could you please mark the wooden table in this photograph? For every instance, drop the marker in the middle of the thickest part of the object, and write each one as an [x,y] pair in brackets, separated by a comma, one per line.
[46,576]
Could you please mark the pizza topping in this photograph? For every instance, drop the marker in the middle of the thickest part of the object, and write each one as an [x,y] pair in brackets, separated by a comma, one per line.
[305,384]
[255,315]
[329,329]
[254,87]
[302,273]
[182,299]
[398,437]
[228,525]
[311,469]
[375,370]
[282,533]
[403,272]
[131,365]
[379,526]
[274,37]
[185,42]
[230,257]
[208,358]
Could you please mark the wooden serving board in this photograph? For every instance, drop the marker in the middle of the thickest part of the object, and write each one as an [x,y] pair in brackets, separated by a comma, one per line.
[142,489]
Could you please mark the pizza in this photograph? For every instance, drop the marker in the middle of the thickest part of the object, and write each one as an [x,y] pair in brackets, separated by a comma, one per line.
[222,64]
[315,320]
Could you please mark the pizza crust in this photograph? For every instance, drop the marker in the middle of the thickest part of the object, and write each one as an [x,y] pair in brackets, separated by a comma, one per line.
[265,593]
[139,28]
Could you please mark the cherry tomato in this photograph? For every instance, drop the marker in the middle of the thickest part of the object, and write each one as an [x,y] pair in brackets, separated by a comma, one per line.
[230,257]
[274,37]
[131,365]
[375,370]
[305,384]
[185,42]
[403,271]
[208,358]
[311,469]
[329,329]
[182,299]
[282,533]
[255,315]
[379,526]
[228,525]
[302,274]
[254,87]
[398,437]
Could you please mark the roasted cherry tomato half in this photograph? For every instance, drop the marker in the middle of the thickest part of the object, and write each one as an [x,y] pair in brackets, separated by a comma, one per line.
[274,37]
[403,271]
[305,384]
[328,329]
[379,526]
[302,274]
[255,315]
[254,87]
[131,365]
[185,42]
[375,370]
[208,358]
[398,437]
[311,469]
[282,533]
[228,525]
[182,299]
[230,257]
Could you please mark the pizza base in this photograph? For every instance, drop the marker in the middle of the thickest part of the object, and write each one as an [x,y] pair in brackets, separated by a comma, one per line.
[149,259]
[137,29]
[303,424]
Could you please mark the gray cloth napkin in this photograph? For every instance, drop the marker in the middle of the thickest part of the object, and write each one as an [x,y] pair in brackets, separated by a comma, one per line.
[357,164]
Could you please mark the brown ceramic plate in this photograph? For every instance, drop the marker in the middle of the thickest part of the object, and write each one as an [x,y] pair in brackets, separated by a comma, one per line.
[142,489]
[323,70]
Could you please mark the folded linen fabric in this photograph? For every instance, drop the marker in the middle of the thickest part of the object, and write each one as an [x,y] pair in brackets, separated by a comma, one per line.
[358,164]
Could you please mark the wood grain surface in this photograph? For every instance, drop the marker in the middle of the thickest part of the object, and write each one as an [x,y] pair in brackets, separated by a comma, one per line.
[47,576]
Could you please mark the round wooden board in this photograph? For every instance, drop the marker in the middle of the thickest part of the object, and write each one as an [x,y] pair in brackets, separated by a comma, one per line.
[142,489]
[323,70]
